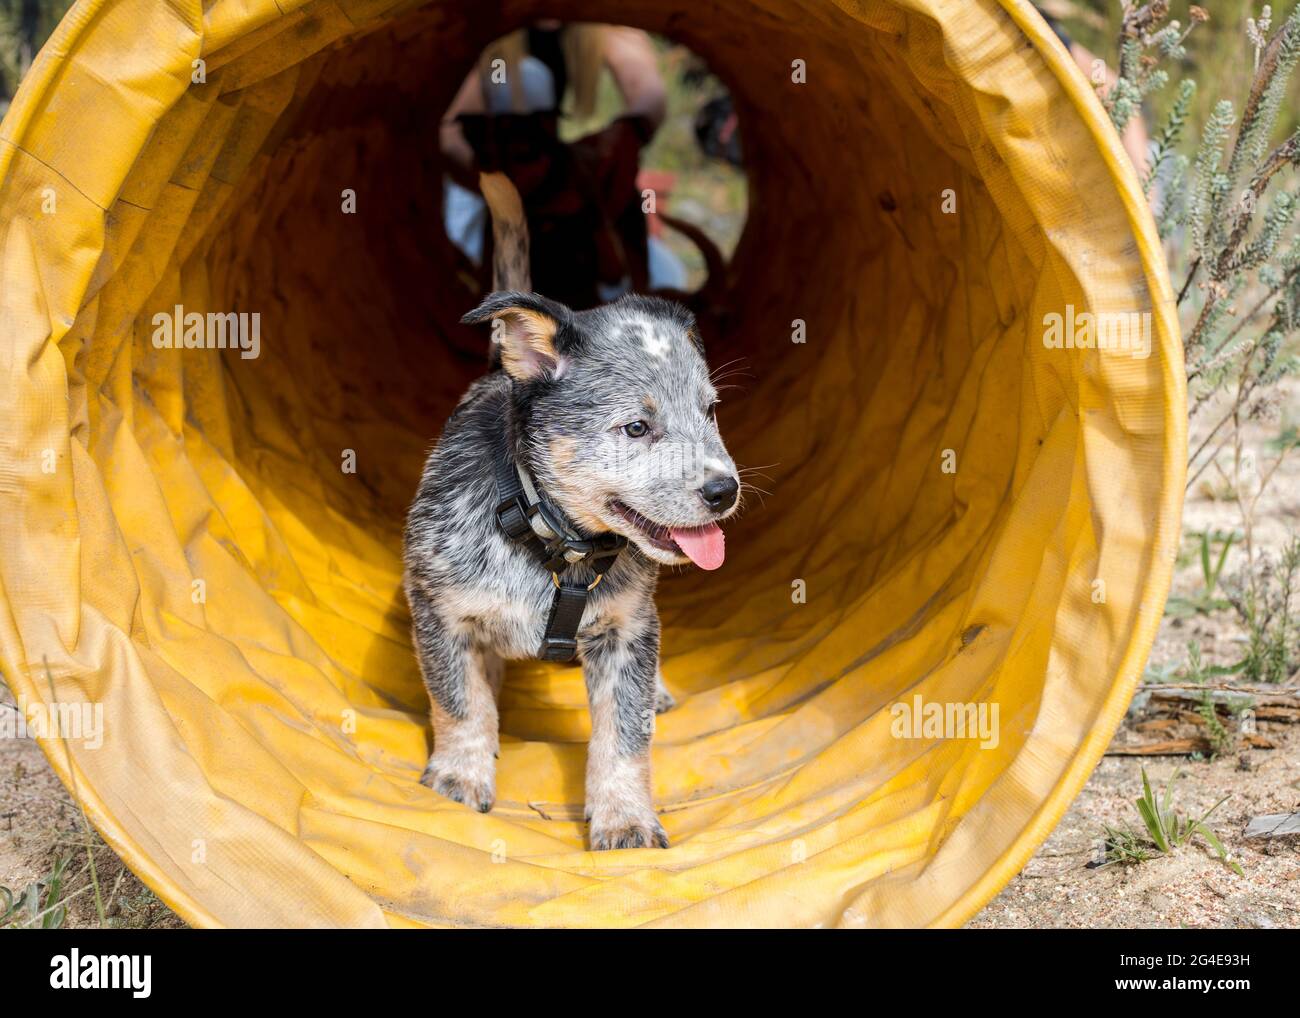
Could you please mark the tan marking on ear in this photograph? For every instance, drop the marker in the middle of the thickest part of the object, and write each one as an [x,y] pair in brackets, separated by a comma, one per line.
[535,329]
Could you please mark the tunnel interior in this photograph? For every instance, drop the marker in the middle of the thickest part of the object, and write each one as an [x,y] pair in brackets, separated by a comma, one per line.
[364,352]
[942,489]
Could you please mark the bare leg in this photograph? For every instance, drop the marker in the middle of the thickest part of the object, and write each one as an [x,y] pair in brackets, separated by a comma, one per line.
[620,668]
[464,713]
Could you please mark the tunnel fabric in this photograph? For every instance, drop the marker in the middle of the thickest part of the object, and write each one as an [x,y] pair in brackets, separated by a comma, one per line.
[205,546]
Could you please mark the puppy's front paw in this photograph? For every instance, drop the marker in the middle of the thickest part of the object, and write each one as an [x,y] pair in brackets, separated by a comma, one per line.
[627,832]
[473,786]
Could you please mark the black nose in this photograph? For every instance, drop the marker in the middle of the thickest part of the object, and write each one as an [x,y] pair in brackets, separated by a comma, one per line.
[719,494]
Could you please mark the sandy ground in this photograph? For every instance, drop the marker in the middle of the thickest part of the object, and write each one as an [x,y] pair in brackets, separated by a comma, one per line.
[1190,888]
[1062,887]
[39,823]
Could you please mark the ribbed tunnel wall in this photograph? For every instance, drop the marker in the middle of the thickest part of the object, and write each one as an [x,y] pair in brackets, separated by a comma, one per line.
[265,728]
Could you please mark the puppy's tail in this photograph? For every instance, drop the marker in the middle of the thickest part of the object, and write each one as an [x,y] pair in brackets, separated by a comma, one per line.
[510,269]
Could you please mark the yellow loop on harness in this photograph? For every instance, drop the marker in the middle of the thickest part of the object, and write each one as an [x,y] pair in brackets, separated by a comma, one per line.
[555,578]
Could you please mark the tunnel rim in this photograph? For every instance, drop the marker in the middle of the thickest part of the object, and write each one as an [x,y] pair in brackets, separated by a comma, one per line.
[1085,757]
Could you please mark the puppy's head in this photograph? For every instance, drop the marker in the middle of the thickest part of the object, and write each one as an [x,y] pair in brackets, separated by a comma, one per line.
[620,419]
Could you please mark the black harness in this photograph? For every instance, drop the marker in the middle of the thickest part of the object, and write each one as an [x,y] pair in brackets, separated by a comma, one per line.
[526,517]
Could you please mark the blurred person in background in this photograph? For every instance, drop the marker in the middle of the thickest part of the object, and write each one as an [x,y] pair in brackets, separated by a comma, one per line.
[505,116]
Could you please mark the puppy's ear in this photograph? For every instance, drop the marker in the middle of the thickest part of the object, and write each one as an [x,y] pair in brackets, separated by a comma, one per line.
[526,330]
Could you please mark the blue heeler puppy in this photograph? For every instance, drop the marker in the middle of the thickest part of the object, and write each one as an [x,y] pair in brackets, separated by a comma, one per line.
[561,482]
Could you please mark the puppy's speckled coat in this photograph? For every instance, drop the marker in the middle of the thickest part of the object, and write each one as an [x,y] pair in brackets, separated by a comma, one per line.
[611,410]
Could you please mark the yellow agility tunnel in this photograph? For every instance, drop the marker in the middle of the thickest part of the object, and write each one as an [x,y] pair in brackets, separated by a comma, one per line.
[967,513]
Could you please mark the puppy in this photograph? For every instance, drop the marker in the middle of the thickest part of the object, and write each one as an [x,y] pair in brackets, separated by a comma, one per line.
[561,482]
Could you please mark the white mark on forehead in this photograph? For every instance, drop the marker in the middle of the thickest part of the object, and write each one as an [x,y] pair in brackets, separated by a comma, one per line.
[657,340]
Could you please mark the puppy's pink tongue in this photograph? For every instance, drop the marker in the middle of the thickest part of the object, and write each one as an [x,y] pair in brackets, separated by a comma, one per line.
[705,546]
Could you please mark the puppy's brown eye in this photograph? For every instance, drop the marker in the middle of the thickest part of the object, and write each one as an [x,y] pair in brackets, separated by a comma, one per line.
[637,429]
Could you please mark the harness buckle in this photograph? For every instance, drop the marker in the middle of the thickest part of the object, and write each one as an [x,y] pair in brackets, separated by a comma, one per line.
[512,517]
[607,545]
[597,552]
[558,648]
